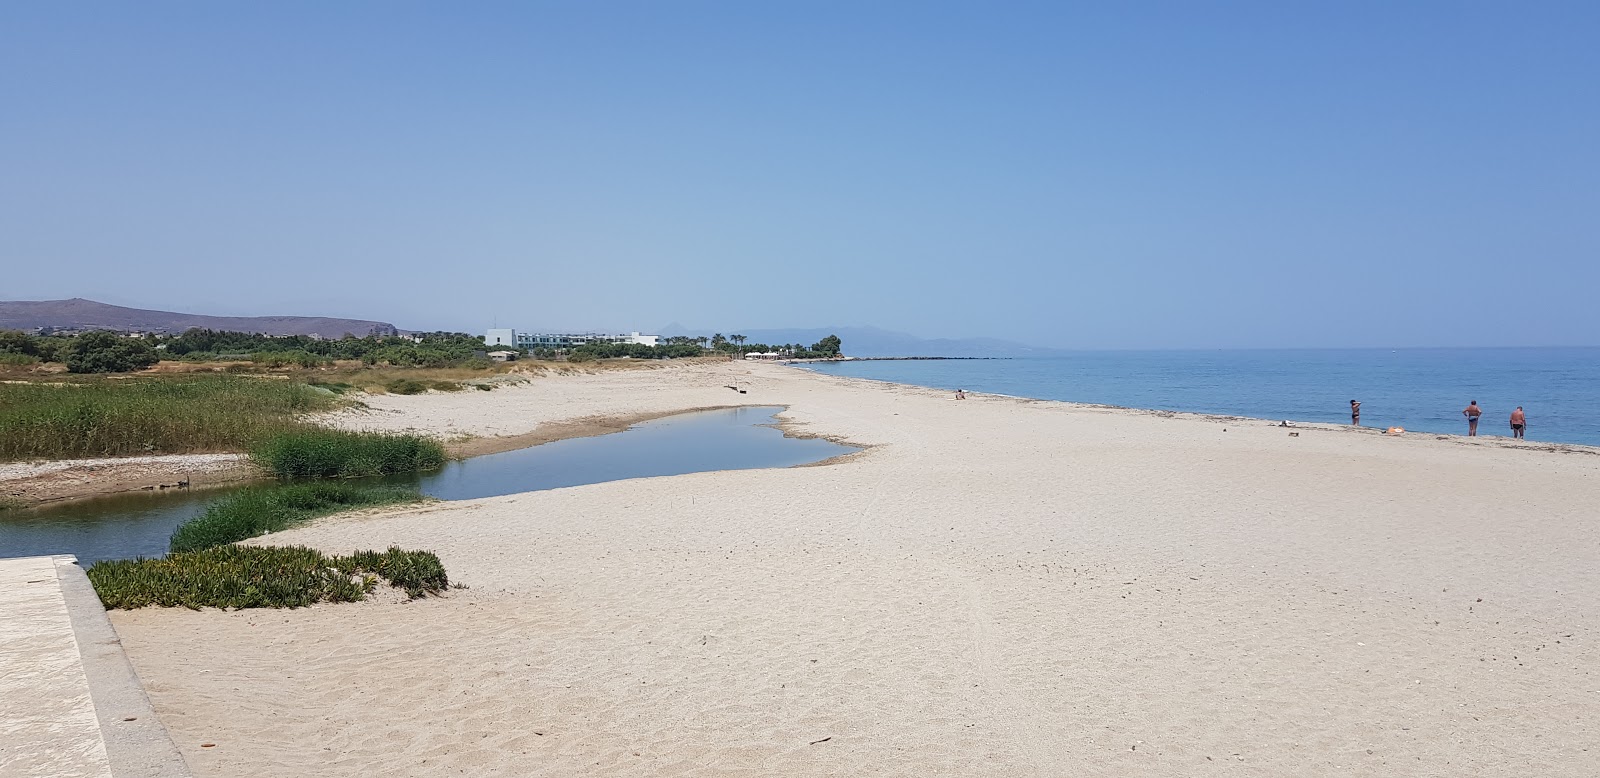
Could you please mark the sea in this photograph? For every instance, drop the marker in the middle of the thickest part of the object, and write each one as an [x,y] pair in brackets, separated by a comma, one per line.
[1422,390]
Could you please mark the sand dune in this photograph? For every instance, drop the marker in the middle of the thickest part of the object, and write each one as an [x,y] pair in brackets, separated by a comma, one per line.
[997,587]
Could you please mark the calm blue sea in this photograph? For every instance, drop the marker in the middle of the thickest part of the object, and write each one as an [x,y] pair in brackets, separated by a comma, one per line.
[1419,389]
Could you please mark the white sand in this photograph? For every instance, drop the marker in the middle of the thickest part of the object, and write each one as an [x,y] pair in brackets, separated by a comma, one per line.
[197,463]
[1001,588]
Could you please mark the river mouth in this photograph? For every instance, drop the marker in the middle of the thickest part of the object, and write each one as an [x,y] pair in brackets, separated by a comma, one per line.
[140,523]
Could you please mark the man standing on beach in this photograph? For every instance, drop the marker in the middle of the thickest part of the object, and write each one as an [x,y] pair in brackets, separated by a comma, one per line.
[1519,420]
[1472,412]
[1355,412]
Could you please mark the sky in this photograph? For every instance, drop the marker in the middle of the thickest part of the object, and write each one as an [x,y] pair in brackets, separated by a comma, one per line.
[1077,175]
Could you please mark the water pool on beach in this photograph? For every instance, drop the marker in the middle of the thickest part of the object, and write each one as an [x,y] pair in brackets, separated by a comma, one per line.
[140,524]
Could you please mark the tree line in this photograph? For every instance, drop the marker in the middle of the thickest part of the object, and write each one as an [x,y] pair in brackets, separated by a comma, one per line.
[737,345]
[109,352]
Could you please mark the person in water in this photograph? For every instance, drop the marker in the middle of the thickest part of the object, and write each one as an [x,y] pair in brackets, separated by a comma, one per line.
[1355,412]
[1472,412]
[1519,421]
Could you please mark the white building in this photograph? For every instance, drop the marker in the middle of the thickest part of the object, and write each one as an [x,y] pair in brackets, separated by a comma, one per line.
[533,340]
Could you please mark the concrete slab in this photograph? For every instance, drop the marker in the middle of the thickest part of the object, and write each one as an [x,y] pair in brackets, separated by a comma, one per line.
[47,719]
[70,704]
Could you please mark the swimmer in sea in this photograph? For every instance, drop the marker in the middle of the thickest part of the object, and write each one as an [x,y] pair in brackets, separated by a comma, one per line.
[1519,422]
[1355,412]
[1472,412]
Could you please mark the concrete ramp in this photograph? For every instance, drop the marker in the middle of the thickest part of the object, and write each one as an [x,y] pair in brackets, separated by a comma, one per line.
[70,704]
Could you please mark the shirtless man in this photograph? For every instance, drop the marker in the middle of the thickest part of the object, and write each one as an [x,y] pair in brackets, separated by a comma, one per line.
[1472,412]
[1519,420]
[1355,412]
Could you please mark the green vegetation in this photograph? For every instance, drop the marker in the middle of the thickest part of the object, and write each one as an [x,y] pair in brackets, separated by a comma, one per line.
[297,358]
[405,386]
[262,577]
[316,452]
[635,350]
[430,349]
[337,387]
[170,415]
[41,348]
[260,510]
[106,352]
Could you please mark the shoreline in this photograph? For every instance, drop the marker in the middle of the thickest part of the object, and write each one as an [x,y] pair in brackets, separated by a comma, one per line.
[1003,587]
[34,484]
[1486,440]
[26,485]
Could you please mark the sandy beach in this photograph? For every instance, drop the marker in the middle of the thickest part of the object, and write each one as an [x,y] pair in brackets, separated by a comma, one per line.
[995,587]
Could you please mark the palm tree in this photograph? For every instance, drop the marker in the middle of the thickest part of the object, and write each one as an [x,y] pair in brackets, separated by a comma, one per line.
[739,339]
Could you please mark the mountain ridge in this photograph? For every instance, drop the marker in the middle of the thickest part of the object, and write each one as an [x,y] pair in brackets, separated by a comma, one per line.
[80,314]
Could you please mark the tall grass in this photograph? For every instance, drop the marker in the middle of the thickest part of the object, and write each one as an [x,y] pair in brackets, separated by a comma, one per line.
[262,577]
[118,417]
[316,452]
[262,509]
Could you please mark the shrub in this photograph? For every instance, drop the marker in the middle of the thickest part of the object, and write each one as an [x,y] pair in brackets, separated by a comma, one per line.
[263,509]
[405,386]
[41,349]
[10,359]
[337,387]
[298,358]
[262,577]
[325,453]
[106,352]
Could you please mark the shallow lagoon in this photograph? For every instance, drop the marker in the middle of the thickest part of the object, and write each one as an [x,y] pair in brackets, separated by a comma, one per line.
[139,524]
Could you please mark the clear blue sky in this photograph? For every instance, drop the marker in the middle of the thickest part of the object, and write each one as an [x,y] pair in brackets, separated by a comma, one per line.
[1100,175]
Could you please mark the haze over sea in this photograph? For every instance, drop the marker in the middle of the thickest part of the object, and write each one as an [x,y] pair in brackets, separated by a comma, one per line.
[1422,390]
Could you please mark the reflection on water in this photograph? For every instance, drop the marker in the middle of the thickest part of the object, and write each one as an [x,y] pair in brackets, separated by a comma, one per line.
[139,524]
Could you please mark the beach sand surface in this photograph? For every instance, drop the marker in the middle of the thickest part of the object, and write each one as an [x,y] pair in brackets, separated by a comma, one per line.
[995,587]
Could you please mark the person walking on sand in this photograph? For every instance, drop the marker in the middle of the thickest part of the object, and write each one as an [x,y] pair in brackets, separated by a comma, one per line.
[1519,421]
[1355,412]
[1472,412]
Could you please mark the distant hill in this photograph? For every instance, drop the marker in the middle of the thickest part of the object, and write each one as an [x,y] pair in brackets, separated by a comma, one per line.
[80,314]
[875,342]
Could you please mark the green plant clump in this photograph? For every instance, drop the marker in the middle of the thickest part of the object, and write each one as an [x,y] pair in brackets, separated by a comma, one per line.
[326,453]
[262,577]
[405,386]
[263,509]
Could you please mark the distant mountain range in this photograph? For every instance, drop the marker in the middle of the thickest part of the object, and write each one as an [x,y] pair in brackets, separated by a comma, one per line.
[875,342]
[81,314]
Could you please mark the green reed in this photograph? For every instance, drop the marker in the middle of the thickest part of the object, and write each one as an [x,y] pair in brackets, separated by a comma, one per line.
[316,452]
[262,509]
[125,416]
